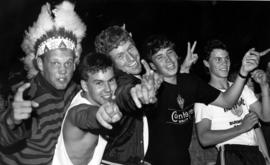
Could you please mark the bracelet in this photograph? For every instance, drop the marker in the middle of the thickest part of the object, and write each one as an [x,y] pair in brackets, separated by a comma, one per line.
[240,75]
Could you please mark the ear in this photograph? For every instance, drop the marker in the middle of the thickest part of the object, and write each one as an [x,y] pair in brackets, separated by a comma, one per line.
[84,86]
[123,26]
[206,64]
[74,66]
[153,66]
[39,64]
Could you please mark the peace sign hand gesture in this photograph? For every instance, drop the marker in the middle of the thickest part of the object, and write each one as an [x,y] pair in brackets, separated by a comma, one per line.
[191,58]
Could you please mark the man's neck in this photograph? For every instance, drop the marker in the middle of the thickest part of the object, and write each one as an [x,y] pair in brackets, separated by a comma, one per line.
[219,83]
[171,80]
[87,97]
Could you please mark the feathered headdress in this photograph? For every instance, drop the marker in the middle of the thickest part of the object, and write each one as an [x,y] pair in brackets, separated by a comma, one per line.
[58,28]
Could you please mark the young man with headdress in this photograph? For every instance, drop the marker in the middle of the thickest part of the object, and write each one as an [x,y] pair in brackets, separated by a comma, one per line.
[129,140]
[170,125]
[30,128]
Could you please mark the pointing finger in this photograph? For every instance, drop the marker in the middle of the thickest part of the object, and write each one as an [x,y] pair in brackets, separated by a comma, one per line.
[103,122]
[19,94]
[135,98]
[264,52]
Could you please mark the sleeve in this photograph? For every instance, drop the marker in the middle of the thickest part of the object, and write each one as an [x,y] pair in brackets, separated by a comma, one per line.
[202,111]
[123,97]
[8,136]
[11,136]
[249,96]
[83,116]
[205,93]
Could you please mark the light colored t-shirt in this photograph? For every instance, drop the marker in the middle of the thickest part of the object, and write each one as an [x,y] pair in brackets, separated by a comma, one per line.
[61,156]
[226,118]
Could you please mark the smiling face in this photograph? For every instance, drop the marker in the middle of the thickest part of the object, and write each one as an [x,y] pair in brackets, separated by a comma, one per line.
[100,86]
[57,67]
[165,61]
[218,63]
[126,58]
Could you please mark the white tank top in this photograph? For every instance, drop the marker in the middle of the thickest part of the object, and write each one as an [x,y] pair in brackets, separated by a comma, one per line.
[60,156]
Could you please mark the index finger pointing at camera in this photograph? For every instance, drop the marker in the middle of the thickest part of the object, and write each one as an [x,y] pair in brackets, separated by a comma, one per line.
[19,94]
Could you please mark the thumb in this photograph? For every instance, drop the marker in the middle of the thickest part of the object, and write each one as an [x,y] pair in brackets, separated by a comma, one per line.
[34,104]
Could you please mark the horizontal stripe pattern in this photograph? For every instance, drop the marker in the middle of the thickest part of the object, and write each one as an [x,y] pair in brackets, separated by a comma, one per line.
[45,125]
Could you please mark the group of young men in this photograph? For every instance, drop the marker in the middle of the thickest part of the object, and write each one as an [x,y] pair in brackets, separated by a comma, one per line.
[126,110]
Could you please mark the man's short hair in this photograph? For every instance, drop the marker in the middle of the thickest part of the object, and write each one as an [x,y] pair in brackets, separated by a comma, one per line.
[153,44]
[93,63]
[111,38]
[211,45]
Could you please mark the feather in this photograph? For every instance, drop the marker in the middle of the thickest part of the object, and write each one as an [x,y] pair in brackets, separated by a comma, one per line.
[66,17]
[43,24]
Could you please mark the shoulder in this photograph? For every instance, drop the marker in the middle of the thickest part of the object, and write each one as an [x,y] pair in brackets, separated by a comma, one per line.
[124,78]
[82,107]
[189,77]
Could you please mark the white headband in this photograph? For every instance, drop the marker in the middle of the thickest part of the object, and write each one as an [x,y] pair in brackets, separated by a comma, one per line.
[55,43]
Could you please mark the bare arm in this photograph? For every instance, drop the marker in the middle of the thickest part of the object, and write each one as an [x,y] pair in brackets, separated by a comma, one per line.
[262,144]
[209,137]
[262,108]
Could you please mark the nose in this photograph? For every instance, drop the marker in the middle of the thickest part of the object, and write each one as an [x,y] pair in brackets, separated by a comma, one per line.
[107,87]
[62,69]
[130,57]
[168,59]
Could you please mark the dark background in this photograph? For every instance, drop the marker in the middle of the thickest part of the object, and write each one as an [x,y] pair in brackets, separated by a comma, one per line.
[241,25]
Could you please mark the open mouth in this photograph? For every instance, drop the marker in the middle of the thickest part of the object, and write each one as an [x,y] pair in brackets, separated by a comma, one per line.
[107,97]
[133,65]
[224,70]
[170,66]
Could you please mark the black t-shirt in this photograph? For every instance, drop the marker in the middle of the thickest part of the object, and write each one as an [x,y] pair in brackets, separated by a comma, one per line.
[170,124]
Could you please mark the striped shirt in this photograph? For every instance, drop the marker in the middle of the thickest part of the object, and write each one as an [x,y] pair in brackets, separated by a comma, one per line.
[33,142]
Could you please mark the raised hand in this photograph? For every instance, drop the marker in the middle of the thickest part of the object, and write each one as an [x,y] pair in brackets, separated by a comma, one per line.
[140,95]
[259,76]
[249,121]
[250,61]
[107,114]
[264,52]
[21,109]
[150,78]
[191,58]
